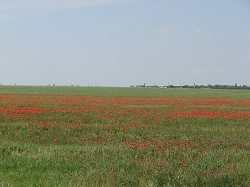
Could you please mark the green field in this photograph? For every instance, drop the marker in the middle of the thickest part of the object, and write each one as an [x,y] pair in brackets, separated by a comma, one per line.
[125,91]
[97,136]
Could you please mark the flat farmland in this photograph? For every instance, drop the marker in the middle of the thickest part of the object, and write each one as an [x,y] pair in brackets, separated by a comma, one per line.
[93,136]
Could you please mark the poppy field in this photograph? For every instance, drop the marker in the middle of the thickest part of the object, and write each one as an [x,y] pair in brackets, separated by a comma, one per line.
[124,139]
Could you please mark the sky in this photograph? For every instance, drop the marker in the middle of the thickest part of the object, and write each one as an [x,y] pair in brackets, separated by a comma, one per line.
[124,42]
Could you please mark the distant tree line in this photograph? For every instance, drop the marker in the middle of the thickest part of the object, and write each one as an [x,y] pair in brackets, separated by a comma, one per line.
[209,86]
[219,86]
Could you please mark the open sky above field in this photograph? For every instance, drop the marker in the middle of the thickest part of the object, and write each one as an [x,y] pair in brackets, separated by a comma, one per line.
[124,42]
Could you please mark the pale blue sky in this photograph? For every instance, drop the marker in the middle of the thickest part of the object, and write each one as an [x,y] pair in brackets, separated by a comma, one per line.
[124,42]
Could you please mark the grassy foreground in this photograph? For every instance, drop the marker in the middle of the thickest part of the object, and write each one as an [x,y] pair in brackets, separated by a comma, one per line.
[74,136]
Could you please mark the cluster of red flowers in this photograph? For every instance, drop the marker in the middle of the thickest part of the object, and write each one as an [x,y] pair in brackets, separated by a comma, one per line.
[20,112]
[207,113]
[123,110]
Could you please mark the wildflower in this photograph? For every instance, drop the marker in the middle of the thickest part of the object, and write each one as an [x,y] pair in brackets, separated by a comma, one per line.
[112,170]
[159,164]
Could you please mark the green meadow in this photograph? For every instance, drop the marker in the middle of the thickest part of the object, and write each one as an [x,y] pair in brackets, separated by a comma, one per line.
[125,91]
[102,136]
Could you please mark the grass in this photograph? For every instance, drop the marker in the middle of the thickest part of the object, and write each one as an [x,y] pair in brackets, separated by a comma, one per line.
[125,91]
[81,136]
